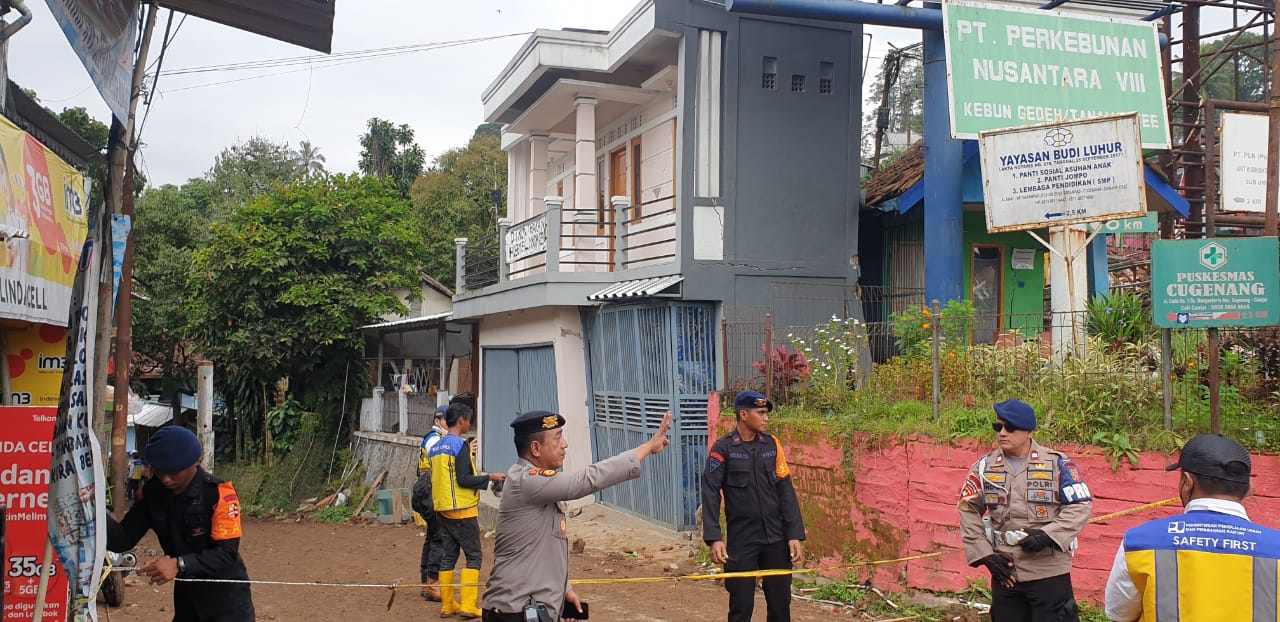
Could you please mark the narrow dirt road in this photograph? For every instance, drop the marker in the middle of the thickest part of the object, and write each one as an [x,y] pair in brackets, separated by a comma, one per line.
[301,550]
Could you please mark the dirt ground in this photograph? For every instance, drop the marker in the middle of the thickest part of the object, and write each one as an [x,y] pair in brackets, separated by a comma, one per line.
[292,549]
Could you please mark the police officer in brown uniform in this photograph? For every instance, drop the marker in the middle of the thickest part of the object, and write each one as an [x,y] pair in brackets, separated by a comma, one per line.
[1035,503]
[531,553]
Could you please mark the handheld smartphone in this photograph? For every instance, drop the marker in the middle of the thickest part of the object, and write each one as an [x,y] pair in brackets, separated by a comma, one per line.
[570,613]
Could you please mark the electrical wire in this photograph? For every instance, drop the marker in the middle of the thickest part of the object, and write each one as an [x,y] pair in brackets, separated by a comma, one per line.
[341,62]
[337,58]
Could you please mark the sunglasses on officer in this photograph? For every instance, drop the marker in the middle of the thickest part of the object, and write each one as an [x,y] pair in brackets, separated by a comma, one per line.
[1000,425]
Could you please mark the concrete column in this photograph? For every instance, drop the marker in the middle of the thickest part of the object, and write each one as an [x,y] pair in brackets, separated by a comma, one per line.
[459,265]
[553,233]
[621,213]
[537,173]
[504,268]
[1068,298]
[442,391]
[402,398]
[204,412]
[943,204]
[585,184]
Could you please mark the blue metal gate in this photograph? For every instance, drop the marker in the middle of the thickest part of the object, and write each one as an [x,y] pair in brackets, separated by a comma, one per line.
[516,380]
[644,360]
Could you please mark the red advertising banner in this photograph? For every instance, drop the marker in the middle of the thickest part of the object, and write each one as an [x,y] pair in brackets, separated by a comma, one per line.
[26,438]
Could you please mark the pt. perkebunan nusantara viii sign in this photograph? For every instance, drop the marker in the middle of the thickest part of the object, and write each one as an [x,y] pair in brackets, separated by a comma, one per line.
[1008,67]
[1063,173]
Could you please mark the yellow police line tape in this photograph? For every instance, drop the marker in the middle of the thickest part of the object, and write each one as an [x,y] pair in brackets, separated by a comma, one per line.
[749,574]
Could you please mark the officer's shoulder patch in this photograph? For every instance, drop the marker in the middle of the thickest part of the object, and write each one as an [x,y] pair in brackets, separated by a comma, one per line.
[226,514]
[544,472]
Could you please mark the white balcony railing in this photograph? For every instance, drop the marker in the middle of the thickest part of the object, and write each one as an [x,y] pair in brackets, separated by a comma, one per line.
[619,238]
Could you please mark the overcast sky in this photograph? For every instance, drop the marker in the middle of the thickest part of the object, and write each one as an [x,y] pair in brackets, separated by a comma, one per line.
[436,92]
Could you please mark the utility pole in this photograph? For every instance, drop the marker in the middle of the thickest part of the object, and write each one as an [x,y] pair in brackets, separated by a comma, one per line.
[892,63]
[119,154]
[123,354]
[1269,223]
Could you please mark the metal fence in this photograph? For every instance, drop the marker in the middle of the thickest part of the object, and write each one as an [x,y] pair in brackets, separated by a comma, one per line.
[421,410]
[935,357]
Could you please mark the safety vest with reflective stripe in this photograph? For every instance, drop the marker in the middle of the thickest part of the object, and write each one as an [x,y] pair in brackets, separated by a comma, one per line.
[1204,566]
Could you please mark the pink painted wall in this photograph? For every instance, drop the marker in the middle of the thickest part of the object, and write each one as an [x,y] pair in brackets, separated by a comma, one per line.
[867,499]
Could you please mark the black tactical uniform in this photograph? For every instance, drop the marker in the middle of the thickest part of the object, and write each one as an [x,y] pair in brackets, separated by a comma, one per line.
[761,515]
[202,528]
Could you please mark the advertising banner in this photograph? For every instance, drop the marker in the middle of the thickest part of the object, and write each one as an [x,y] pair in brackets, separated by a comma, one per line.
[77,485]
[1215,282]
[1009,67]
[25,435]
[36,357]
[42,218]
[1243,166]
[1063,173]
[103,34]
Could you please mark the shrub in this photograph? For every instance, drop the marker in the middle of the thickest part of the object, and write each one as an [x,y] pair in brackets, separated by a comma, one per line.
[1121,317]
[913,328]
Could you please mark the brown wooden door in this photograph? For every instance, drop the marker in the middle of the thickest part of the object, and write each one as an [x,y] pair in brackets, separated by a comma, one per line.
[618,186]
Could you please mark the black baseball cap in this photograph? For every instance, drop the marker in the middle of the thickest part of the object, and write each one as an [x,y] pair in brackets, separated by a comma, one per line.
[1214,455]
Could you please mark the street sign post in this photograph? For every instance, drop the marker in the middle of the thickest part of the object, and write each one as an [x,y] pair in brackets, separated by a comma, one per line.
[1147,224]
[1243,166]
[1215,282]
[1060,176]
[1063,173]
[1009,67]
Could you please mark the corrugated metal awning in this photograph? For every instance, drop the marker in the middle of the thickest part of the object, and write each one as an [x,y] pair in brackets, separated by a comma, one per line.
[152,415]
[308,23]
[639,288]
[427,321]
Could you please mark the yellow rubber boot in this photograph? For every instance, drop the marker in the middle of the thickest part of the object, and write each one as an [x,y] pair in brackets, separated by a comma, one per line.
[448,606]
[470,593]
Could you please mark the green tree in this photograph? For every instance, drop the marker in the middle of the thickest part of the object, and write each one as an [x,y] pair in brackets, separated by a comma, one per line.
[1222,75]
[170,223]
[256,166]
[454,199]
[387,150]
[93,131]
[96,133]
[310,160]
[489,129]
[287,279]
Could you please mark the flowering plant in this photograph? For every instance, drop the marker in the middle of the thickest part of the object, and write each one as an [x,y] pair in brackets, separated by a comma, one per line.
[834,351]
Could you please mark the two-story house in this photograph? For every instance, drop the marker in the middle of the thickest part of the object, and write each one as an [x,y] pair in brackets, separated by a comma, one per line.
[661,174]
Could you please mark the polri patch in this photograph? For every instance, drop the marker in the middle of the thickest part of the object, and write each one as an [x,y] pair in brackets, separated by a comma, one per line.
[1041,511]
[1040,496]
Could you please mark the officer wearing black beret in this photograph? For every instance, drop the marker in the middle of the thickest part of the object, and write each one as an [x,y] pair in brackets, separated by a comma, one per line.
[531,554]
[762,515]
[196,518]
[1022,506]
